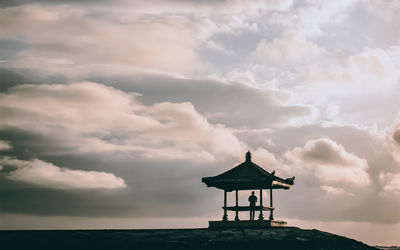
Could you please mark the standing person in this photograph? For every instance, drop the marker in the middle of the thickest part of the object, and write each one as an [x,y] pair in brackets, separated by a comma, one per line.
[252,200]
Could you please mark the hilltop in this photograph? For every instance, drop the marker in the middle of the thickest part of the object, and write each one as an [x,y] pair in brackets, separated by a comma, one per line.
[272,238]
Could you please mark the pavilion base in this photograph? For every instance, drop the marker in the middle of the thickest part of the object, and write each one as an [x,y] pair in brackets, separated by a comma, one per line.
[246,224]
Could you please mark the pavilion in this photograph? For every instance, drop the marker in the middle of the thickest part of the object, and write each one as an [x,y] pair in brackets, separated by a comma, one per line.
[247,176]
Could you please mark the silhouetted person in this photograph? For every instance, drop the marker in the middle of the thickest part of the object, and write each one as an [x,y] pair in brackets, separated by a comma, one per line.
[252,200]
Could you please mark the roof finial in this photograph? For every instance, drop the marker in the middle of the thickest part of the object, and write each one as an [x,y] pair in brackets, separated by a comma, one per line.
[248,156]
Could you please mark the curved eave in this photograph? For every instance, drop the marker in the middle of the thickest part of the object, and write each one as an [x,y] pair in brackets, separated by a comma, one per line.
[246,184]
[281,185]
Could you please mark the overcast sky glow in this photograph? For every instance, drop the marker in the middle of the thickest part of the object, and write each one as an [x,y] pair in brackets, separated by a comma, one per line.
[112,111]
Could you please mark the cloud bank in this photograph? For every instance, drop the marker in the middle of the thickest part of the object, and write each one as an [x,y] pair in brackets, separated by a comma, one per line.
[118,108]
[46,174]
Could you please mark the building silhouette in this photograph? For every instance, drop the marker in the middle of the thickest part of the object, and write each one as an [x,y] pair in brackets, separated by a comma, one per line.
[248,176]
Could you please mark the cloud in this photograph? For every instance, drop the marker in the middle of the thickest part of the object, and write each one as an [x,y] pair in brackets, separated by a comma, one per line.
[395,133]
[390,182]
[360,72]
[11,3]
[291,48]
[224,8]
[394,139]
[88,117]
[330,162]
[319,73]
[386,10]
[312,17]
[336,190]
[48,175]
[227,102]
[125,41]
[264,157]
[396,136]
[5,145]
[342,170]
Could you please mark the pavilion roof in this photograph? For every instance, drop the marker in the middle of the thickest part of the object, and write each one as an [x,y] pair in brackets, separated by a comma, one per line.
[246,176]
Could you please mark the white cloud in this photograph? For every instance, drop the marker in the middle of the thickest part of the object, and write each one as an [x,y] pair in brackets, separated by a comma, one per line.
[330,163]
[219,47]
[5,145]
[341,86]
[222,7]
[74,37]
[48,175]
[312,16]
[367,71]
[388,10]
[89,117]
[390,182]
[336,190]
[265,158]
[292,48]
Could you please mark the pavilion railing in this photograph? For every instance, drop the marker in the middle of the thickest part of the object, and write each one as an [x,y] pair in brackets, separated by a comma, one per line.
[248,208]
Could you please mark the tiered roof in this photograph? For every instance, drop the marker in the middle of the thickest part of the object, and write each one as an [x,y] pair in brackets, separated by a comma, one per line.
[247,176]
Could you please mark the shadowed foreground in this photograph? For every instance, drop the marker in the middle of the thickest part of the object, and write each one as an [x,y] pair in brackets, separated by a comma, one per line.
[275,238]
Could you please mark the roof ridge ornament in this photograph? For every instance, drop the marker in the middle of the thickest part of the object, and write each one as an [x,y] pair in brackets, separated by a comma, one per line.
[248,156]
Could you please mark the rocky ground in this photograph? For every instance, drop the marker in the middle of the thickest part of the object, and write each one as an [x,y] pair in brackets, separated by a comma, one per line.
[275,238]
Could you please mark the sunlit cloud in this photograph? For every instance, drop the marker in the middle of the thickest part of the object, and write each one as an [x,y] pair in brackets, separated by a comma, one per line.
[330,162]
[48,175]
[93,118]
[390,182]
[336,190]
[5,145]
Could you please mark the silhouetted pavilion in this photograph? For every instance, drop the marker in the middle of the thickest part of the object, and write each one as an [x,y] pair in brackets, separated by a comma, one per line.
[247,176]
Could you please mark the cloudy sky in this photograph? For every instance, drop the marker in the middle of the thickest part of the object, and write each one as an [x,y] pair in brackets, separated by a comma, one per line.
[112,111]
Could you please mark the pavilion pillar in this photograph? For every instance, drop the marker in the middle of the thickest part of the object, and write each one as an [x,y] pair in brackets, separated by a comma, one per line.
[225,217]
[271,212]
[237,207]
[261,216]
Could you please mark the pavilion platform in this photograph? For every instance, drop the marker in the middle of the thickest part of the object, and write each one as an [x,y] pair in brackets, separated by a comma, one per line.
[246,224]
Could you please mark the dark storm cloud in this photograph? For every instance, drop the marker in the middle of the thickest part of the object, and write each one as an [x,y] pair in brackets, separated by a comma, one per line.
[152,184]
[42,201]
[9,78]
[174,186]
[156,188]
[25,144]
[11,3]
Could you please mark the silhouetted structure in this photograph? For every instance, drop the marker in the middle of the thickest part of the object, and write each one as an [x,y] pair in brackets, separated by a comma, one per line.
[247,176]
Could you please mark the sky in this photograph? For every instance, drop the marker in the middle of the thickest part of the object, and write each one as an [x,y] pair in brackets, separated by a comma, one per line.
[112,111]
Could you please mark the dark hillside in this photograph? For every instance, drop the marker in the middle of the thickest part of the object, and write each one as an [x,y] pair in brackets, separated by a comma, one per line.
[275,238]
